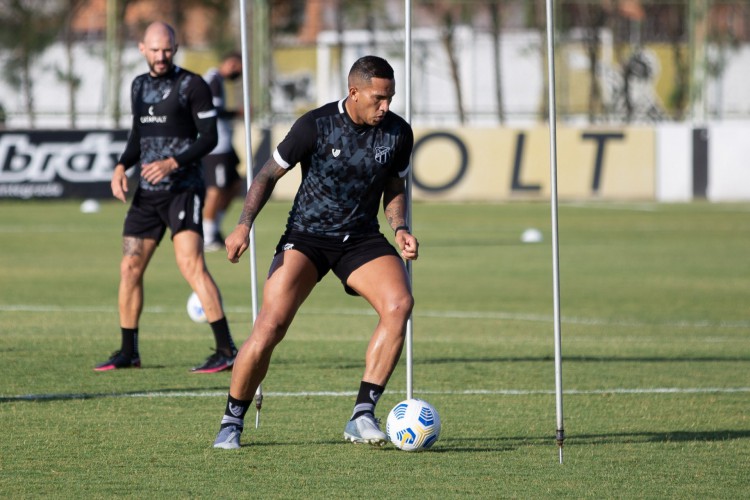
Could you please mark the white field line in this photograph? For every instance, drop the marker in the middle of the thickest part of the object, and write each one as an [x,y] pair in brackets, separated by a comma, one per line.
[333,394]
[8,229]
[424,313]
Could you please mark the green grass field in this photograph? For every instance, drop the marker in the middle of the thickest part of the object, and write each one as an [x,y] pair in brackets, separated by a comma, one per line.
[656,362]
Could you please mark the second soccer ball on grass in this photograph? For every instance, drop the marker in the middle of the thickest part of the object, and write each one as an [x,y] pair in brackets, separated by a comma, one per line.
[195,309]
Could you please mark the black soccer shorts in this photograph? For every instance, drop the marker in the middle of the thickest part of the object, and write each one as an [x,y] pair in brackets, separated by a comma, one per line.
[342,255]
[220,170]
[152,212]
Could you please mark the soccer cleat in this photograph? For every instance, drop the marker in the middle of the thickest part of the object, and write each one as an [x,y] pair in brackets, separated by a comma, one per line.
[228,438]
[118,360]
[364,430]
[213,246]
[217,362]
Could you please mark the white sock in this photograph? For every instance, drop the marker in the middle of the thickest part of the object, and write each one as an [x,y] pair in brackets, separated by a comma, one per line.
[209,230]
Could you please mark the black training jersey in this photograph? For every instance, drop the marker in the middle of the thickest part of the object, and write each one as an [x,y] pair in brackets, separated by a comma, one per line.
[344,169]
[173,116]
[224,117]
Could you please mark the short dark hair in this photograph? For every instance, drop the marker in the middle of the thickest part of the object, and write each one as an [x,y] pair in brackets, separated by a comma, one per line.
[368,67]
[234,54]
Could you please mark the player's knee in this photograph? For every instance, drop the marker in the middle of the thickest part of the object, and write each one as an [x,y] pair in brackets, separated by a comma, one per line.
[399,306]
[273,322]
[278,327]
[131,270]
[268,333]
[191,268]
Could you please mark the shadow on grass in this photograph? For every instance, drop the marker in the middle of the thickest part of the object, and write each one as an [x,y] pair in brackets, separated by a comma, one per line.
[482,445]
[37,398]
[486,444]
[662,437]
[339,365]
[583,359]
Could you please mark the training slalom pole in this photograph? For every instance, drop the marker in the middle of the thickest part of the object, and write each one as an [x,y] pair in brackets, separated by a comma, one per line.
[249,173]
[410,321]
[560,434]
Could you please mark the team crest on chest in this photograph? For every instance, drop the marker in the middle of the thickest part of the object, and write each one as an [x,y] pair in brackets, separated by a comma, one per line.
[382,154]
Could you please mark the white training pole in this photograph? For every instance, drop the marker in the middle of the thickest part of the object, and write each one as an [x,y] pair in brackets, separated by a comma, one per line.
[249,173]
[560,434]
[410,321]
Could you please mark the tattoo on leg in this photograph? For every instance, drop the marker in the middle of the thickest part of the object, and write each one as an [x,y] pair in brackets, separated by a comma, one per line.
[132,247]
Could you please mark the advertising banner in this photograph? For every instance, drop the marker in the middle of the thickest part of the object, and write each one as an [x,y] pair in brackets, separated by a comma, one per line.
[458,164]
[59,163]
[501,164]
[504,164]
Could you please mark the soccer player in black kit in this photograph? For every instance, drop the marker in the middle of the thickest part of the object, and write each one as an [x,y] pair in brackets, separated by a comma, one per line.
[174,126]
[353,153]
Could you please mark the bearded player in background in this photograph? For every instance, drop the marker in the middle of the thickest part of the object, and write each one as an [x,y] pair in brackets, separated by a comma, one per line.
[174,126]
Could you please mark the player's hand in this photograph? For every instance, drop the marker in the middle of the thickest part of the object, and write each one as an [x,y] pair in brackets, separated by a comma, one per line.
[119,183]
[155,171]
[408,244]
[237,242]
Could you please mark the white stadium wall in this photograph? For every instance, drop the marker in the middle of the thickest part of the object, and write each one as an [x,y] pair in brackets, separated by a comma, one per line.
[674,173]
[729,162]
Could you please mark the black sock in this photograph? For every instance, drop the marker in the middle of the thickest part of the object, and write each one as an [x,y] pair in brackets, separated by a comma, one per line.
[234,412]
[129,342]
[367,398]
[223,338]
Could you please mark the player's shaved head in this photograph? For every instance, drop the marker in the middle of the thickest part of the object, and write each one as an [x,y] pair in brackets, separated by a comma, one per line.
[159,29]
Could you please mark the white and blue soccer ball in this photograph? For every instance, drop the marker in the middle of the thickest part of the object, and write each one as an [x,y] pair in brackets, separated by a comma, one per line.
[195,309]
[413,425]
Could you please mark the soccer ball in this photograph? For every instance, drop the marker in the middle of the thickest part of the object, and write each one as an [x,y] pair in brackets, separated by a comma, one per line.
[195,309]
[413,425]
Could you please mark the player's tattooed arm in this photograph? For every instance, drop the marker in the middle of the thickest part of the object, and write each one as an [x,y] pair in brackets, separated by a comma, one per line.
[257,196]
[260,191]
[394,203]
